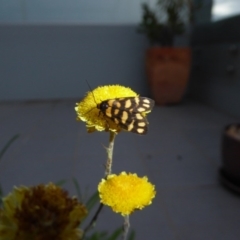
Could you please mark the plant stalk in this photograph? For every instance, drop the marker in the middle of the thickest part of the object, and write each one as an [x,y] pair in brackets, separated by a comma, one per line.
[94,219]
[126,226]
[108,169]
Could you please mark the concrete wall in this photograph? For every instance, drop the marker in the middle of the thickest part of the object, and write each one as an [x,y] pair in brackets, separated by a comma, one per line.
[215,78]
[71,11]
[55,61]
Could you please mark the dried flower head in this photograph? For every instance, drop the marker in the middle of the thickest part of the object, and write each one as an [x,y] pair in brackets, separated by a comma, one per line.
[43,212]
[125,193]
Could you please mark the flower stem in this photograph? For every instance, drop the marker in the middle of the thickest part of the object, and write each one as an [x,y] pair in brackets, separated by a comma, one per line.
[126,226]
[108,169]
[94,219]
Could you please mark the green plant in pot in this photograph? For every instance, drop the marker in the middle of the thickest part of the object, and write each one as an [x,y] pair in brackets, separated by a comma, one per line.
[167,66]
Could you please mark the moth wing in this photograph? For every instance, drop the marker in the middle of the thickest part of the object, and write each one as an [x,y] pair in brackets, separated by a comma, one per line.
[136,104]
[130,121]
[126,112]
[136,123]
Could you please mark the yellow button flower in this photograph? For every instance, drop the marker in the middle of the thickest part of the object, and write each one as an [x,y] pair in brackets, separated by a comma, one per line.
[87,110]
[125,193]
[42,212]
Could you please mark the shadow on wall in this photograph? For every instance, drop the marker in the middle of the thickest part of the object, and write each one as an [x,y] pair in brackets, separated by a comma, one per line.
[215,76]
[54,61]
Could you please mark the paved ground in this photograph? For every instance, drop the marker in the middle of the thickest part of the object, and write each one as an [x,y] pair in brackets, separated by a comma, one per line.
[180,155]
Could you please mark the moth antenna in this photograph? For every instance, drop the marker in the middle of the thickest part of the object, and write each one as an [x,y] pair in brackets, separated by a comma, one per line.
[91,91]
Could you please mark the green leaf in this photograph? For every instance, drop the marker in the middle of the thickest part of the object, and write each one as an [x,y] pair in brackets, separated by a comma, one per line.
[78,189]
[115,234]
[131,235]
[1,192]
[105,236]
[1,195]
[92,201]
[97,236]
[61,182]
[8,145]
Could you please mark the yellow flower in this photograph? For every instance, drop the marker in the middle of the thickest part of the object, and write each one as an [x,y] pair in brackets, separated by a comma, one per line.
[87,110]
[43,212]
[126,192]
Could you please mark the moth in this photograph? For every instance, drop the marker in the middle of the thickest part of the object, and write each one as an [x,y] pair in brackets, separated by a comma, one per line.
[128,112]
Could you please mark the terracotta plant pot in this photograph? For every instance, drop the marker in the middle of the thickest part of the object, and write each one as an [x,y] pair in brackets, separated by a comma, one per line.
[230,171]
[168,73]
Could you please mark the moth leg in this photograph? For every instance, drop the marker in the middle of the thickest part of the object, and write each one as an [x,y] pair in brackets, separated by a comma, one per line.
[107,123]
